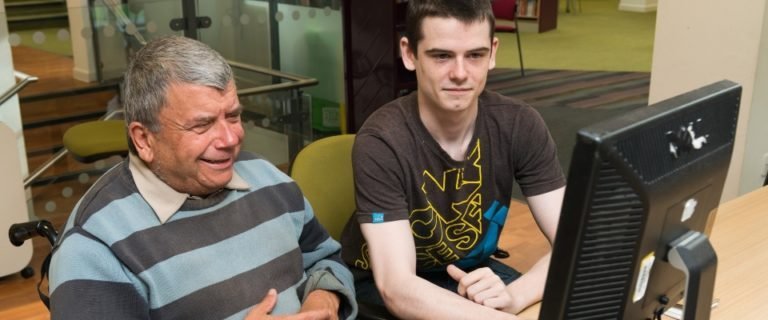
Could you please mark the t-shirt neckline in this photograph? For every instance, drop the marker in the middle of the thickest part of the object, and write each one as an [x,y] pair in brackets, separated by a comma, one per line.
[430,142]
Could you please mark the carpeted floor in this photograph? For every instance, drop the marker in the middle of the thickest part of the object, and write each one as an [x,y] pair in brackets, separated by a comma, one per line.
[597,37]
[571,100]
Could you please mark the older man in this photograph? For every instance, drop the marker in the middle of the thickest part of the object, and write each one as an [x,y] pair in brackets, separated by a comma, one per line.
[188,227]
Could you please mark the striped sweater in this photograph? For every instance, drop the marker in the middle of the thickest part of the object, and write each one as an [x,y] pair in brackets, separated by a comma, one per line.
[213,259]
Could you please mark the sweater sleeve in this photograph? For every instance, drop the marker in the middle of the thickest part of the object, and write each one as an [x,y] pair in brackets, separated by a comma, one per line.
[323,265]
[86,276]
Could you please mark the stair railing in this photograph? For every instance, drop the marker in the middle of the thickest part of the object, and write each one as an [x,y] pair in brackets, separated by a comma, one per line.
[25,80]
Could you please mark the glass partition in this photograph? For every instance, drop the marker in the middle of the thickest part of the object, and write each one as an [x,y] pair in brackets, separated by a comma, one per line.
[310,43]
[300,36]
[258,41]
[119,28]
[276,112]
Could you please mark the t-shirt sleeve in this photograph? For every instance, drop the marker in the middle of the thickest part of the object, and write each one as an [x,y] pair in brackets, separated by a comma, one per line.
[537,168]
[378,174]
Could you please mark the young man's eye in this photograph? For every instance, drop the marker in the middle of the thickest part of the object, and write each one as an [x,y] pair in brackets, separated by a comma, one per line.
[441,56]
[476,55]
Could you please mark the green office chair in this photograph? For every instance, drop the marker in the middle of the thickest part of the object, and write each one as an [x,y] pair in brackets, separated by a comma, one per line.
[95,140]
[323,171]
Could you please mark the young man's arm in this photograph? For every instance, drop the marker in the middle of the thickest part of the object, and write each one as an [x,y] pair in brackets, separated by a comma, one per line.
[529,288]
[393,261]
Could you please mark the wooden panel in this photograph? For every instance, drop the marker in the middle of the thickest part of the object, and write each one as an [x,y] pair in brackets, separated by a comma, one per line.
[374,72]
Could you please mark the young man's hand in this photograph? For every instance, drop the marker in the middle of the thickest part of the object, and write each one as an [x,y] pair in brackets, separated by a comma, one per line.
[482,286]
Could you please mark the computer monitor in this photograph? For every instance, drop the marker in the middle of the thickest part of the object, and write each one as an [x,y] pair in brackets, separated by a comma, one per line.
[641,191]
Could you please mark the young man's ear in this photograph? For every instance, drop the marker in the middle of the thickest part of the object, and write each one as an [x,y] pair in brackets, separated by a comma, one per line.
[494,49]
[409,57]
[143,141]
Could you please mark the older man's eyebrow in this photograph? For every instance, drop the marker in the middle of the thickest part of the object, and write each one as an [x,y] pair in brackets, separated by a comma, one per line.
[198,121]
[238,110]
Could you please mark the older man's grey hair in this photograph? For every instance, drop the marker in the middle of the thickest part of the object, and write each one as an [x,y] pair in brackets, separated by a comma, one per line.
[165,61]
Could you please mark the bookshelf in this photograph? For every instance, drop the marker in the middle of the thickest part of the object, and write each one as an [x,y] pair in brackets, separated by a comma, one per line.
[537,15]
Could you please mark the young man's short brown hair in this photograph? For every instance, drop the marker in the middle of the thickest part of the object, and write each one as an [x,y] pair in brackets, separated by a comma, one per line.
[467,11]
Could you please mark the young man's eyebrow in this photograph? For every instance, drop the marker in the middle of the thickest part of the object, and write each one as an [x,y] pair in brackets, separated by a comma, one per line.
[435,50]
[481,49]
[438,50]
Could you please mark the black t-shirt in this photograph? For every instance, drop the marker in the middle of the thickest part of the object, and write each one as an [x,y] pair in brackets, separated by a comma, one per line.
[456,209]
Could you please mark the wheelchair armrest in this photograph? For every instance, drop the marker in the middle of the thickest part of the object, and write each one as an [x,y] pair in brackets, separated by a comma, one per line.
[20,232]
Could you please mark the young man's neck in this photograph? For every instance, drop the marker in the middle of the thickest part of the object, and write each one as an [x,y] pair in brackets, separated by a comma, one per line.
[452,130]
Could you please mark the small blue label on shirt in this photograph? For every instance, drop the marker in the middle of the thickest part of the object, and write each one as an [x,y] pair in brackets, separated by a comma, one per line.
[378,217]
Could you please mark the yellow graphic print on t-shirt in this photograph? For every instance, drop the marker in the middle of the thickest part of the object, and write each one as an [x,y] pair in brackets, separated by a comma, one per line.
[449,226]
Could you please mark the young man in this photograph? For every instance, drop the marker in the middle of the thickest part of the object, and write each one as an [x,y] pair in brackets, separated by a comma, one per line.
[188,227]
[434,172]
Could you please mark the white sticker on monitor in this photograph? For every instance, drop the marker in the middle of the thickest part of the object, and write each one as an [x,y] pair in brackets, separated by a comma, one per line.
[642,278]
[689,209]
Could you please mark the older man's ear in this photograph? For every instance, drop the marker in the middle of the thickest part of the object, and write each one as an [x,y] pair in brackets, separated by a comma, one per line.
[143,140]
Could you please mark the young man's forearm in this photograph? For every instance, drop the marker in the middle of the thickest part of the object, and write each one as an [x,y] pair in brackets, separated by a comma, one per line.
[529,288]
[415,298]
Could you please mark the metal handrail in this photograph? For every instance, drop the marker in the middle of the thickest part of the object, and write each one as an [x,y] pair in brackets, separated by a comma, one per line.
[114,6]
[297,81]
[25,80]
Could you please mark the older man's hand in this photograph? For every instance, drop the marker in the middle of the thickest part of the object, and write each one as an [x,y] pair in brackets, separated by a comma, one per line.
[262,311]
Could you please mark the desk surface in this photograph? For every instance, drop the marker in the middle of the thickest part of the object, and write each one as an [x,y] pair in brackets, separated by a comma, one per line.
[740,238]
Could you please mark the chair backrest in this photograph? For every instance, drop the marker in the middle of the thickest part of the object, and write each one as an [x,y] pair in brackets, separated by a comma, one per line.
[323,171]
[504,9]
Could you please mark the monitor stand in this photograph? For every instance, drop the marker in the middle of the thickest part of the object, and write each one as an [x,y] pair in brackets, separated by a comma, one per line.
[693,254]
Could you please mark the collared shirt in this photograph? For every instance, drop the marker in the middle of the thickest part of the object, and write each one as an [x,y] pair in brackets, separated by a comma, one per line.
[163,199]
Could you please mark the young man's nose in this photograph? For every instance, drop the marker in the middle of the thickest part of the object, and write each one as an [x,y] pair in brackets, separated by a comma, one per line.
[459,70]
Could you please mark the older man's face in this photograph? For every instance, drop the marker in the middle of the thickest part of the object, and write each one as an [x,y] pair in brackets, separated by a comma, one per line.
[199,138]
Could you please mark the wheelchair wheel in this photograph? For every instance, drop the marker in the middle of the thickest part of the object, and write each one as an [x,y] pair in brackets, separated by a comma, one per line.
[27,272]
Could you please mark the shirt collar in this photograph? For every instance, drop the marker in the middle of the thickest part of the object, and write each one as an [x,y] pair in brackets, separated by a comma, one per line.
[163,199]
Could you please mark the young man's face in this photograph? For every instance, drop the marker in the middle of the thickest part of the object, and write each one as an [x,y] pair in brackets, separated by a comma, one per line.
[452,62]
[199,138]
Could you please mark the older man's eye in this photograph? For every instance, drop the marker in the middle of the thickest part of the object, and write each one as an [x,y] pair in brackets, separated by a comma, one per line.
[234,117]
[201,127]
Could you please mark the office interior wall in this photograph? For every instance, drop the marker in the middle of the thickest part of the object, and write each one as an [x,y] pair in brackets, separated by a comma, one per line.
[638,5]
[756,148]
[12,259]
[10,114]
[698,42]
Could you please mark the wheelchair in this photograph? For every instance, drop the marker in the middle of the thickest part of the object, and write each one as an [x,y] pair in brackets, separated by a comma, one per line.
[20,232]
